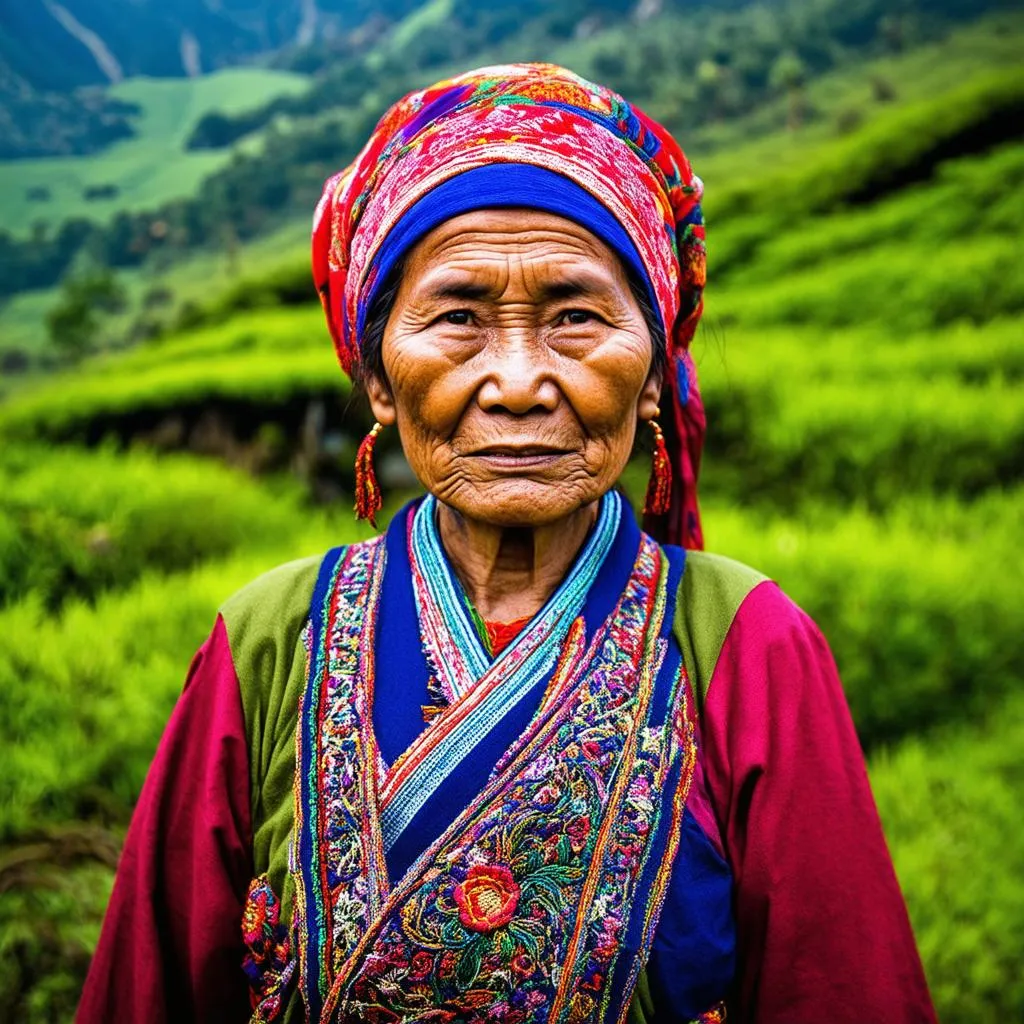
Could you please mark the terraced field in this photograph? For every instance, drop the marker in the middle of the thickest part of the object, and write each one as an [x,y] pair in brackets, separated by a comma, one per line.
[147,169]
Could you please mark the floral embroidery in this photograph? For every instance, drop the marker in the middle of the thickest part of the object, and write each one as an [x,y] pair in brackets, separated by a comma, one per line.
[488,897]
[518,912]
[716,1015]
[268,964]
[341,874]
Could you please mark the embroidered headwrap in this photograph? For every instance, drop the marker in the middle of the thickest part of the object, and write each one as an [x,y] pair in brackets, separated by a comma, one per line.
[532,135]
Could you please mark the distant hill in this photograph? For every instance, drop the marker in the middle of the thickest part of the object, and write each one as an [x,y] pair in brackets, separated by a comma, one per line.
[52,49]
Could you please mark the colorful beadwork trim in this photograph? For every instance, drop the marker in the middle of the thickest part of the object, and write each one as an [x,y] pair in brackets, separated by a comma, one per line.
[342,876]
[451,638]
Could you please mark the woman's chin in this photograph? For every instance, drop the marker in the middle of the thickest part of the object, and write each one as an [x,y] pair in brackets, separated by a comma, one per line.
[521,502]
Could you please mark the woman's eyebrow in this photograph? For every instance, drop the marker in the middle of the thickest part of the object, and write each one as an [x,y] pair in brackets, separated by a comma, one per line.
[563,288]
[571,287]
[449,289]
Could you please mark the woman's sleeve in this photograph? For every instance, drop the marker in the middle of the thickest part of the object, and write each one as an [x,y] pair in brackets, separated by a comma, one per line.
[822,930]
[171,946]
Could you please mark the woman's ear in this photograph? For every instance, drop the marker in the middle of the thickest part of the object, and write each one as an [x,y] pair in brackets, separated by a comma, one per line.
[381,403]
[650,396]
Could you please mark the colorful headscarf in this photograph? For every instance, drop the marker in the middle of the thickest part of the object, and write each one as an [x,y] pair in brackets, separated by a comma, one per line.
[541,116]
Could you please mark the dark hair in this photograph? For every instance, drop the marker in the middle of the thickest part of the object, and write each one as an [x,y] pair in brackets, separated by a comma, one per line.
[371,360]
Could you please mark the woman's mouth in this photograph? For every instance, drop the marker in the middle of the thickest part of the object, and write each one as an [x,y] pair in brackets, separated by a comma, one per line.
[518,457]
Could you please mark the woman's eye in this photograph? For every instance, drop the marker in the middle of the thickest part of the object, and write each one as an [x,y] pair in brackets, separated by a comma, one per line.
[459,317]
[577,316]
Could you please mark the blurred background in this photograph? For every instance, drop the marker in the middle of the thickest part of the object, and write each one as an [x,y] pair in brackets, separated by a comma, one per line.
[173,422]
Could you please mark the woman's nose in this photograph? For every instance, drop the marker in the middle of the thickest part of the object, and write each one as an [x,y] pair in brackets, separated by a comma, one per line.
[519,378]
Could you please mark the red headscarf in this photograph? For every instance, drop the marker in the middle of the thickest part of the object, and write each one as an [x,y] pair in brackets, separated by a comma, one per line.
[545,116]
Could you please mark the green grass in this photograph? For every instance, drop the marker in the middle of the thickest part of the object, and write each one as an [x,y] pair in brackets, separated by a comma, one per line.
[259,357]
[76,523]
[150,168]
[857,415]
[725,150]
[64,758]
[205,278]
[918,605]
[951,810]
[967,201]
[861,365]
[430,17]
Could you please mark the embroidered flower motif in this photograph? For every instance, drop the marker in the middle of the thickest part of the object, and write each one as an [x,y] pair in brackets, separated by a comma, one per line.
[484,934]
[269,963]
[578,830]
[488,897]
[716,1015]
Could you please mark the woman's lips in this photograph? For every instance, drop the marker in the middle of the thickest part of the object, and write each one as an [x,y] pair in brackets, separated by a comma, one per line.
[518,457]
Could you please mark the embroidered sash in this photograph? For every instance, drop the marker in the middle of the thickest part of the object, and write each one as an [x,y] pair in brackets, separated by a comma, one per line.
[539,902]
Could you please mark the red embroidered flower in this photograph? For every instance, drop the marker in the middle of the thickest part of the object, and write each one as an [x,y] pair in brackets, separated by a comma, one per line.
[421,966]
[577,831]
[488,897]
[523,965]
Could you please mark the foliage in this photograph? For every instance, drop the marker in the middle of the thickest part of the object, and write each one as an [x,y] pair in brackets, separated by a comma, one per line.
[260,358]
[914,648]
[862,433]
[149,168]
[861,365]
[77,523]
[245,193]
[73,322]
[951,810]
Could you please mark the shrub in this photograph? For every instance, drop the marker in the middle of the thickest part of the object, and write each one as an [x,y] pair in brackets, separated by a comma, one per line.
[855,416]
[80,719]
[925,629]
[951,810]
[899,287]
[266,358]
[75,523]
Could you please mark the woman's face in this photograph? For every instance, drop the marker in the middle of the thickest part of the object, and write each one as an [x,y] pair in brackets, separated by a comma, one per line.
[517,364]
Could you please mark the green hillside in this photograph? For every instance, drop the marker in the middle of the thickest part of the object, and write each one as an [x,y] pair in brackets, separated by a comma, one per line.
[861,360]
[146,170]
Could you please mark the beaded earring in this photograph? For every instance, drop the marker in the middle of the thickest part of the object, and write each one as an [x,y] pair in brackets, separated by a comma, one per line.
[368,497]
[659,487]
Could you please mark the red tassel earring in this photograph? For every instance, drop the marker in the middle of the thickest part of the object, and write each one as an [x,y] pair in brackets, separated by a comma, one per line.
[659,488]
[368,496]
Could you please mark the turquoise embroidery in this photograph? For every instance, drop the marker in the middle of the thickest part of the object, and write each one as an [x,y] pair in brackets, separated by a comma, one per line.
[454,648]
[459,660]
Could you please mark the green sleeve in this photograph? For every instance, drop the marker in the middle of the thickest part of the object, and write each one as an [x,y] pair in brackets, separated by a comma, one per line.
[711,592]
[264,623]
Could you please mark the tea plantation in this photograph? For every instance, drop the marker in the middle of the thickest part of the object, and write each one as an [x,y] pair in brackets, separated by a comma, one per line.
[862,360]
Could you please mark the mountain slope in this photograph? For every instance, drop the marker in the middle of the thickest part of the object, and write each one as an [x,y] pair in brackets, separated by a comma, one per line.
[52,49]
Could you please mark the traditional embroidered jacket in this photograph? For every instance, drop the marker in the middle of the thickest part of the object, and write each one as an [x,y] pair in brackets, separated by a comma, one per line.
[651,807]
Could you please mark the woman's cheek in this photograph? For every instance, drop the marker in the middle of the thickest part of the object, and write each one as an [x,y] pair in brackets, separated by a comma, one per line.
[433,398]
[605,403]
[609,380]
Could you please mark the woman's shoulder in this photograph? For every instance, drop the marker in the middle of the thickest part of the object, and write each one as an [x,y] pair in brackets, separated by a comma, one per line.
[718,596]
[275,602]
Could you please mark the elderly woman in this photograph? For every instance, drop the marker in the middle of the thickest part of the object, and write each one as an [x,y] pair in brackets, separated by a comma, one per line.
[515,760]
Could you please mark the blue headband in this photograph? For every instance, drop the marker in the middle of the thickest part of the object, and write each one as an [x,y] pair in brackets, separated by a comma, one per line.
[502,184]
